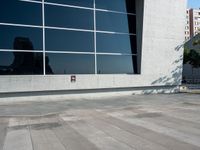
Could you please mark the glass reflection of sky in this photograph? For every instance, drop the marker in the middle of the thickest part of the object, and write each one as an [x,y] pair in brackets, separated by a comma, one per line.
[9,33]
[71,63]
[28,13]
[16,11]
[6,58]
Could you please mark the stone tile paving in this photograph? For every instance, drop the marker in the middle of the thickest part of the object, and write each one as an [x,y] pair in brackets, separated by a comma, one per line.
[137,122]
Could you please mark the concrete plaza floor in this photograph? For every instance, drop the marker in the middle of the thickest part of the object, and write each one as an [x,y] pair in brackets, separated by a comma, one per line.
[137,122]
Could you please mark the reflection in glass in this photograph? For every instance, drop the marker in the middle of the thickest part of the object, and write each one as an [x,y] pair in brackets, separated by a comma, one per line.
[20,12]
[21,63]
[63,40]
[107,21]
[85,3]
[9,33]
[68,17]
[70,63]
[116,43]
[22,43]
[31,38]
[110,64]
[48,68]
[117,5]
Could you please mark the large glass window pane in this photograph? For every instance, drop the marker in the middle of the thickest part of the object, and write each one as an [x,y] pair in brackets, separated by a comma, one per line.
[62,40]
[20,38]
[68,17]
[117,5]
[116,43]
[69,64]
[115,22]
[21,63]
[110,64]
[85,3]
[20,12]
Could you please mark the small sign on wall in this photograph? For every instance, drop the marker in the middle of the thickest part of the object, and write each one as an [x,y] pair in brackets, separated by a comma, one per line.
[73,79]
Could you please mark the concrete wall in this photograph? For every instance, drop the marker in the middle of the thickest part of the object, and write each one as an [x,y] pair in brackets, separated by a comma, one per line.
[161,57]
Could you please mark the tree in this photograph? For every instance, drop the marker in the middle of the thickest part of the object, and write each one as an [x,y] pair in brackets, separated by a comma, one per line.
[196,42]
[186,56]
[192,56]
[194,59]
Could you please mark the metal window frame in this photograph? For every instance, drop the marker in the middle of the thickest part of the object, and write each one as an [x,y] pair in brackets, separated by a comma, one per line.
[44,27]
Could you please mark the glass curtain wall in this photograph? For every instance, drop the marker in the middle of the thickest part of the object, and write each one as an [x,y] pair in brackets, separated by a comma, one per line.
[46,37]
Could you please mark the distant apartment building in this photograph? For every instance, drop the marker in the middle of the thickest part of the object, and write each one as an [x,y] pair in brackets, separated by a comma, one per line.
[194,21]
[192,27]
[187,27]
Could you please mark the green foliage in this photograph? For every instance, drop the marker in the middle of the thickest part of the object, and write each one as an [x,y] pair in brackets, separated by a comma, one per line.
[196,42]
[194,58]
[186,56]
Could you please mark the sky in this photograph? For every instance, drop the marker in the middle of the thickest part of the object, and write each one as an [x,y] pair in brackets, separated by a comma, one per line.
[193,3]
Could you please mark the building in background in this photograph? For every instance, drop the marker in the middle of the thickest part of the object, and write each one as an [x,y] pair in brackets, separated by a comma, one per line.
[88,45]
[192,34]
[194,22]
[192,27]
[187,27]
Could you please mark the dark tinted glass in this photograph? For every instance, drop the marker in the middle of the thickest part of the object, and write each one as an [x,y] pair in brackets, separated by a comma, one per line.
[68,17]
[63,40]
[20,38]
[107,64]
[116,43]
[21,63]
[85,3]
[69,64]
[19,12]
[107,21]
[117,5]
